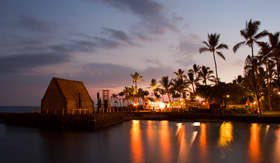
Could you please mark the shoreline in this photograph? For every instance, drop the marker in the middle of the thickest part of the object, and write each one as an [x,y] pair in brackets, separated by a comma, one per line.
[105,120]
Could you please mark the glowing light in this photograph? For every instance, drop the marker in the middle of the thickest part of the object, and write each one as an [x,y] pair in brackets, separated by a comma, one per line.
[161,105]
[135,104]
[196,124]
[168,105]
[228,96]
[279,93]
[255,102]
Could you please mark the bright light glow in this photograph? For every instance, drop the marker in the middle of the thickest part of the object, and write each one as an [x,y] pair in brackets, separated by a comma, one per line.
[161,105]
[278,93]
[196,124]
[198,98]
[255,102]
[135,104]
[227,95]
[168,105]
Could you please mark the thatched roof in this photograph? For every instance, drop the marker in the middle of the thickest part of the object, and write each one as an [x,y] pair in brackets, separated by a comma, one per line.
[71,90]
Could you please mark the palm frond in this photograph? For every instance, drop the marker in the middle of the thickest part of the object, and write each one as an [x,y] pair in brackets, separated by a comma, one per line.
[244,33]
[221,55]
[237,46]
[204,49]
[222,46]
[261,34]
[206,44]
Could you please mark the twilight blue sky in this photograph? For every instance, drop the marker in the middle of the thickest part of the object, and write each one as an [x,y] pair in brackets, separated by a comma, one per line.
[101,42]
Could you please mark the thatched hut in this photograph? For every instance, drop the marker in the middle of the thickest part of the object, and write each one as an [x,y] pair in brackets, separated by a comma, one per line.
[66,97]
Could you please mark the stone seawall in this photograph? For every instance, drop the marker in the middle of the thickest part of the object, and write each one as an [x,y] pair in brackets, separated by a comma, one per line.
[103,120]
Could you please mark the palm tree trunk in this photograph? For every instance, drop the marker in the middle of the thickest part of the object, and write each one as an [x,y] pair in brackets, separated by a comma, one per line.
[193,88]
[269,97]
[259,106]
[252,50]
[268,88]
[278,69]
[217,77]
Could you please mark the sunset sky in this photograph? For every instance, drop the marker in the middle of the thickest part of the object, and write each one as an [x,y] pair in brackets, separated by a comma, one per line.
[101,42]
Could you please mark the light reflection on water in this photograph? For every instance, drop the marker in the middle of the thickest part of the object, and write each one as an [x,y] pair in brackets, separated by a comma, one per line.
[254,143]
[225,134]
[203,142]
[136,142]
[147,141]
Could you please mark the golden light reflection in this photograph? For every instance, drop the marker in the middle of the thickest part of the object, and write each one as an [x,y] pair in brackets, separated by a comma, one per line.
[136,142]
[225,134]
[182,143]
[150,133]
[165,141]
[203,142]
[277,146]
[267,129]
[179,127]
[254,143]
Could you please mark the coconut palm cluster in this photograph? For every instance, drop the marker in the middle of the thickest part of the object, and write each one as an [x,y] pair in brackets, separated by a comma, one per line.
[259,84]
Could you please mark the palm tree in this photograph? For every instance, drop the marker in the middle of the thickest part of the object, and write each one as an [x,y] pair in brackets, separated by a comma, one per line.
[195,70]
[213,46]
[264,52]
[166,87]
[253,78]
[155,87]
[136,77]
[180,73]
[250,35]
[178,84]
[206,74]
[274,53]
[191,80]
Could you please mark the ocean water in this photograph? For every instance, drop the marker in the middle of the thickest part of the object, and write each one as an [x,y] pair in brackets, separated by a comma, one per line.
[19,109]
[140,141]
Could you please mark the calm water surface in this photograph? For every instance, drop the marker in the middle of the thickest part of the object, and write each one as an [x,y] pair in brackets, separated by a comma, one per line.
[145,141]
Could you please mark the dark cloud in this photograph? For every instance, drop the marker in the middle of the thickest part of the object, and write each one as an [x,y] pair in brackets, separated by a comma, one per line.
[118,35]
[153,14]
[24,62]
[86,44]
[36,25]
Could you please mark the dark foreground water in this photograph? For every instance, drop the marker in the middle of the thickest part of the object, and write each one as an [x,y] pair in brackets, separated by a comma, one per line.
[145,141]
